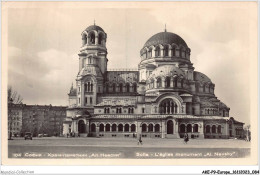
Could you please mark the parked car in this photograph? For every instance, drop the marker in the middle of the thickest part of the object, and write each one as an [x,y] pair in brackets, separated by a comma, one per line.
[28,135]
[40,135]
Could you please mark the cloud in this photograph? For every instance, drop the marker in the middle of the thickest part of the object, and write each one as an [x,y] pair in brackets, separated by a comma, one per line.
[43,77]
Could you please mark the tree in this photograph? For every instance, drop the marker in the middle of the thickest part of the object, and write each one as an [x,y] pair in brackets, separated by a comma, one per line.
[247,132]
[13,96]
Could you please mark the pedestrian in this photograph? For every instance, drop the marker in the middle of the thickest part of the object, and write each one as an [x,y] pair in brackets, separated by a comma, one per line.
[78,135]
[140,141]
[186,138]
[133,135]
[67,135]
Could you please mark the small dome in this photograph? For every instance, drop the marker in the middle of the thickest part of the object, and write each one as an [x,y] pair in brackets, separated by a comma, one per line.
[94,27]
[167,70]
[165,38]
[198,76]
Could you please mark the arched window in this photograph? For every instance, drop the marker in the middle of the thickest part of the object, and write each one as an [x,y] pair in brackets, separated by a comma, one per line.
[157,51]
[144,127]
[189,128]
[175,82]
[150,53]
[180,53]
[93,127]
[92,38]
[167,81]
[159,82]
[120,127]
[173,51]
[157,128]
[113,127]
[121,87]
[182,83]
[168,106]
[100,38]
[91,87]
[107,127]
[195,128]
[207,129]
[107,88]
[213,129]
[114,87]
[219,129]
[150,127]
[133,128]
[126,127]
[182,128]
[127,87]
[134,87]
[101,127]
[166,51]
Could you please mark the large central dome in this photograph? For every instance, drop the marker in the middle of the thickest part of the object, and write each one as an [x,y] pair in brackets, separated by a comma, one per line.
[165,38]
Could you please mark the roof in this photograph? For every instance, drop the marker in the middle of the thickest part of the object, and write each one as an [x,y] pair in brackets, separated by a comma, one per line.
[222,105]
[207,104]
[198,76]
[94,27]
[122,76]
[165,38]
[73,92]
[90,70]
[167,70]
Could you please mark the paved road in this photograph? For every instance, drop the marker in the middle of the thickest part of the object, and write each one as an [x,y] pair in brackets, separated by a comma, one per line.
[126,148]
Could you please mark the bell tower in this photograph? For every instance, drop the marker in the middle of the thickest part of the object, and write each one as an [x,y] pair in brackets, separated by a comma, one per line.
[93,50]
[92,66]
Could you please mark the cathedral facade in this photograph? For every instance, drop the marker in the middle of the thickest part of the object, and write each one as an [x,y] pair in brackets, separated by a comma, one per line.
[164,98]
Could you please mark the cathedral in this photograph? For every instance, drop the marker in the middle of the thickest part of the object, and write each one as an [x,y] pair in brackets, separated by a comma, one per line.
[164,98]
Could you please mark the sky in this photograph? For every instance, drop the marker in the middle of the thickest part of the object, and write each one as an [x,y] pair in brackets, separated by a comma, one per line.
[44,40]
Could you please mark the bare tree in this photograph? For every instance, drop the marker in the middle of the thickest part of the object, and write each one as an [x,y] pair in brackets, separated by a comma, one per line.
[13,96]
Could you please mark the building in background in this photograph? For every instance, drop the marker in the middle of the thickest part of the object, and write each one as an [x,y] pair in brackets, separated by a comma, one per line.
[15,115]
[164,98]
[37,119]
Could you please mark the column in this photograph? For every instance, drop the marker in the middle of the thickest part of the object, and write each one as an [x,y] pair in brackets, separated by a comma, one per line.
[162,52]
[82,99]
[138,129]
[171,82]
[155,83]
[170,107]
[96,40]
[163,82]
[170,52]
[97,129]
[163,129]
[87,126]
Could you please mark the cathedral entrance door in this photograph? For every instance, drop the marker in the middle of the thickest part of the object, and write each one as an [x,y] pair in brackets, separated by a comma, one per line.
[169,127]
[81,126]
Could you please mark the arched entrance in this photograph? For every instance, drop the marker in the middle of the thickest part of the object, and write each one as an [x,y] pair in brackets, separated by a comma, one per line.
[81,127]
[169,127]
